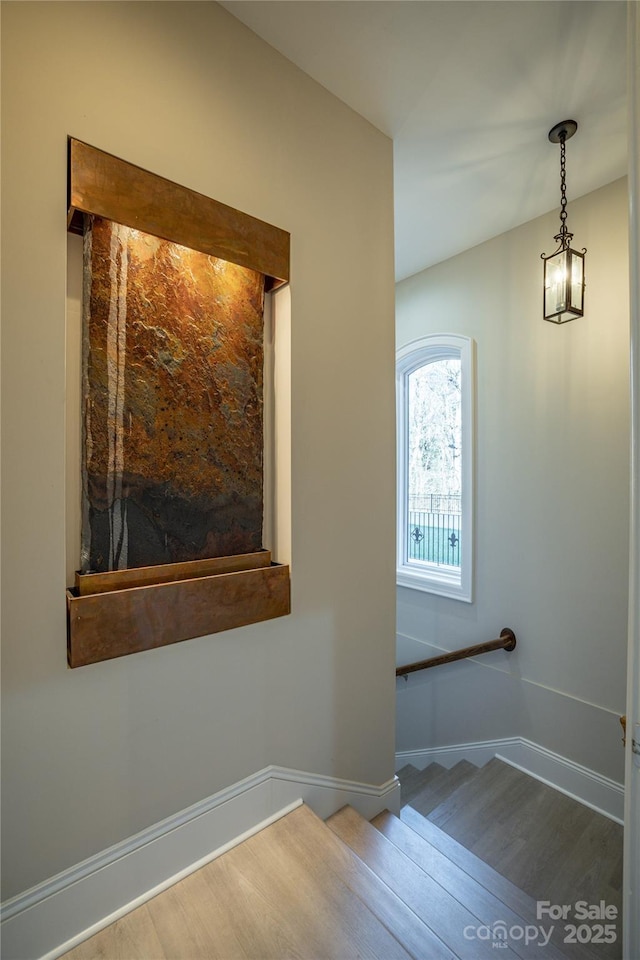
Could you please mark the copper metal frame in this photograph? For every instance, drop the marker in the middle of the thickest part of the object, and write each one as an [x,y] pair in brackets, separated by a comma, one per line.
[104,185]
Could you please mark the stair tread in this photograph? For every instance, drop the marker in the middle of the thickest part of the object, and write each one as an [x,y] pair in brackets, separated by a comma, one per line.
[339,890]
[336,856]
[406,771]
[292,890]
[413,783]
[409,776]
[487,905]
[479,790]
[289,867]
[447,917]
[511,894]
[532,834]
[431,795]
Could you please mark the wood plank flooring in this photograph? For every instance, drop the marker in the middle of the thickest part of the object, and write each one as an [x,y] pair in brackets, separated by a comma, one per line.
[291,891]
[548,844]
[486,905]
[545,843]
[393,889]
[447,916]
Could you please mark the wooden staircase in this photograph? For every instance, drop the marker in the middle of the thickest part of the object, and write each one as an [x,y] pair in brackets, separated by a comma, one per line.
[302,888]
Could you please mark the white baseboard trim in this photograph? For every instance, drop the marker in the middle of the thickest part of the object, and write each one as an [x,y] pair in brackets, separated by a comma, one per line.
[478,753]
[53,917]
[588,787]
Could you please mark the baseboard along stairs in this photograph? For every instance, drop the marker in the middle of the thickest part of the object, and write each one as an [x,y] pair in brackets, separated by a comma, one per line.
[394,887]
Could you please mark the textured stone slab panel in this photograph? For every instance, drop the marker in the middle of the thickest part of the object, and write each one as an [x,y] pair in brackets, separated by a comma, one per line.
[172,402]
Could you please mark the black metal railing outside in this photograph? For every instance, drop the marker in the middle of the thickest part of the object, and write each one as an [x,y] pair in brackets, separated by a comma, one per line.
[434,528]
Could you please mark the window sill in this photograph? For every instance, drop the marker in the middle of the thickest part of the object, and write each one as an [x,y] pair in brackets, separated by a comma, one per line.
[442,581]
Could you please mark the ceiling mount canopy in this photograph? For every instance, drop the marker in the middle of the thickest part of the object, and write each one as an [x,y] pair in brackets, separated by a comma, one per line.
[563,131]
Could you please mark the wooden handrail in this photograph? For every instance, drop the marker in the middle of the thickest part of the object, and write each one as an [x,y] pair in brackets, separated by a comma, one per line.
[506,641]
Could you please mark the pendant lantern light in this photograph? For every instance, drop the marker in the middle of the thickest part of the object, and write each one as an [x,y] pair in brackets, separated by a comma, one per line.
[564,284]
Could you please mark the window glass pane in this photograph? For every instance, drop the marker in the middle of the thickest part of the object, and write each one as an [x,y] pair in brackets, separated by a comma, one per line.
[435,401]
[434,467]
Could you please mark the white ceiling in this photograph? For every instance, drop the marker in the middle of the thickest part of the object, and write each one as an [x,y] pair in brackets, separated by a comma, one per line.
[468,90]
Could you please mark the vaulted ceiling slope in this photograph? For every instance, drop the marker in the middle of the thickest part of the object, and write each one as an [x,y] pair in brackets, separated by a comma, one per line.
[468,90]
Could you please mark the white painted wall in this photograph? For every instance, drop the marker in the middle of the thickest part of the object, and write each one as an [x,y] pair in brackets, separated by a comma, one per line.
[631,872]
[94,755]
[552,501]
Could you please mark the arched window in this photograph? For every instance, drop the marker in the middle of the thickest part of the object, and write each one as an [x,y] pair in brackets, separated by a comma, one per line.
[435,404]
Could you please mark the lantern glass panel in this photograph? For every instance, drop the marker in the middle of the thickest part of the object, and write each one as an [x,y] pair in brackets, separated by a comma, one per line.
[577,281]
[555,284]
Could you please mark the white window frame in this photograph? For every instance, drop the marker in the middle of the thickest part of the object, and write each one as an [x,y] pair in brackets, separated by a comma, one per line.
[453,582]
